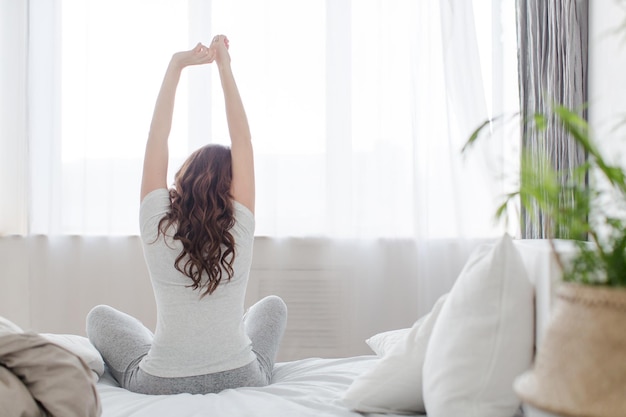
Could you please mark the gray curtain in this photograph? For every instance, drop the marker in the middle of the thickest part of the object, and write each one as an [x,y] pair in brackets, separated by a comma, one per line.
[552,39]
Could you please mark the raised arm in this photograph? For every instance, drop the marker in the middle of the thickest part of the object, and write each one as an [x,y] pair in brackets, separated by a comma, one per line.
[156,156]
[242,186]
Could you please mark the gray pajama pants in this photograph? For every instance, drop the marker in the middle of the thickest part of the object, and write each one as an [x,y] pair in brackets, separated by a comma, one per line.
[123,341]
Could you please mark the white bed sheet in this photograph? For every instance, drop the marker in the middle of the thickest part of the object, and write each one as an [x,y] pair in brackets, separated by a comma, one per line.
[307,387]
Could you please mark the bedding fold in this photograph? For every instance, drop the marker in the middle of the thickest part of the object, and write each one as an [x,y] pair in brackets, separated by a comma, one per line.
[40,378]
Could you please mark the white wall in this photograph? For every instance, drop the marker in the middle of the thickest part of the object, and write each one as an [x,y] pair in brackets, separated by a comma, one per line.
[338,292]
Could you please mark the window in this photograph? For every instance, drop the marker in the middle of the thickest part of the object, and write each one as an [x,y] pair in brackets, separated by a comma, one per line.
[356,122]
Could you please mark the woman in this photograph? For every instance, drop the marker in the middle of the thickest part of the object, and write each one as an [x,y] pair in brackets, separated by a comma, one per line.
[197,240]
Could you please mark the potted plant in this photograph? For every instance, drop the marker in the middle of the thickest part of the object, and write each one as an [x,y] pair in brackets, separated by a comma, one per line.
[580,366]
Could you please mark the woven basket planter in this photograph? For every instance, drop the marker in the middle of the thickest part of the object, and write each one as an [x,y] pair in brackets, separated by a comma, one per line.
[580,367]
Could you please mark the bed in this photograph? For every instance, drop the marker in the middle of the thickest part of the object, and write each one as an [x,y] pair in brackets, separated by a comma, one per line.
[308,387]
[459,359]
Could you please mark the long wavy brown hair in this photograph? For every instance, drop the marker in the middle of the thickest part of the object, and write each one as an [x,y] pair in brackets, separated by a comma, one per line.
[202,214]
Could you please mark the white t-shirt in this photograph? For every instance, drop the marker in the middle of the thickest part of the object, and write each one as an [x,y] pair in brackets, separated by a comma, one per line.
[194,335]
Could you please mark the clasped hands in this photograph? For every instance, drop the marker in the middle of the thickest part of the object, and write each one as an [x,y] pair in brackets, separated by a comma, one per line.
[201,54]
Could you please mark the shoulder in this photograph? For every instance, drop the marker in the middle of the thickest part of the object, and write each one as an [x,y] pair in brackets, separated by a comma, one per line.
[153,207]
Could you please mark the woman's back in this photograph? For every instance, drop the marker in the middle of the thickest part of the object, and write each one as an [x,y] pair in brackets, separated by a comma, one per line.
[194,335]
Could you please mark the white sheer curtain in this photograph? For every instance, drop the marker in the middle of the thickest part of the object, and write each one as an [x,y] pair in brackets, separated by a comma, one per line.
[358,110]
[13,138]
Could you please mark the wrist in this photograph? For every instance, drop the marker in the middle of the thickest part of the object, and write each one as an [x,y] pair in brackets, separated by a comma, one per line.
[175,66]
[176,63]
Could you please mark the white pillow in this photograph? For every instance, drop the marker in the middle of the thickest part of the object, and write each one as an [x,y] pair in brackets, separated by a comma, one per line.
[78,345]
[483,338]
[394,384]
[381,343]
[8,327]
[81,347]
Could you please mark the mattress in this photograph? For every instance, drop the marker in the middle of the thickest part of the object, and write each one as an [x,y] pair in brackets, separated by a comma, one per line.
[307,387]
